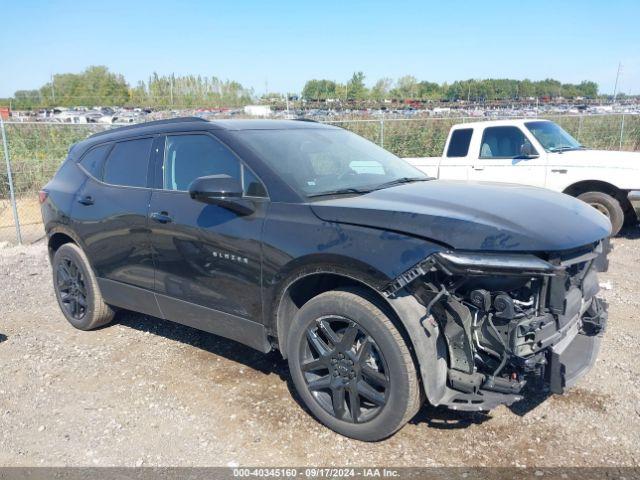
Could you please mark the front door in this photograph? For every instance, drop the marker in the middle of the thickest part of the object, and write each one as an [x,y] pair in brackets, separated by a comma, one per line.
[207,257]
[501,158]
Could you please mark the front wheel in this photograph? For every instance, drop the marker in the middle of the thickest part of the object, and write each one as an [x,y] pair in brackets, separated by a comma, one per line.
[351,366]
[608,206]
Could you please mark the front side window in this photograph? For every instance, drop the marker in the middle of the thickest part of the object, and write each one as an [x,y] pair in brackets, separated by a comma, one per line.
[128,163]
[552,137]
[504,142]
[459,143]
[187,157]
[93,160]
[316,161]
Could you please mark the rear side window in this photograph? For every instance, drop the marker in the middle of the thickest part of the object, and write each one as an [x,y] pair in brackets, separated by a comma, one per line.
[459,143]
[188,157]
[93,160]
[128,163]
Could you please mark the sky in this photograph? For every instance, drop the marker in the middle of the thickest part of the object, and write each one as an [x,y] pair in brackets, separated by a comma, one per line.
[279,44]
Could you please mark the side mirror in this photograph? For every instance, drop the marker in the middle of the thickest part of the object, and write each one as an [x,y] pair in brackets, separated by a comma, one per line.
[527,151]
[220,190]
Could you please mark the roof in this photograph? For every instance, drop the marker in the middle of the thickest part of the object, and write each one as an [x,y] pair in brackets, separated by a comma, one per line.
[182,124]
[499,123]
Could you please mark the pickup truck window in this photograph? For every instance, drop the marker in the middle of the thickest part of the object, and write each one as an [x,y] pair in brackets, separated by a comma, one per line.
[502,142]
[552,137]
[459,143]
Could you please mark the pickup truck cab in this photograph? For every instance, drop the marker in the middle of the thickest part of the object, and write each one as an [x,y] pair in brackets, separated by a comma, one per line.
[540,153]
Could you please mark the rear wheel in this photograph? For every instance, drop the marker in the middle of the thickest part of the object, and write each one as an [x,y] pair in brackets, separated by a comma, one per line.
[77,290]
[351,366]
[608,206]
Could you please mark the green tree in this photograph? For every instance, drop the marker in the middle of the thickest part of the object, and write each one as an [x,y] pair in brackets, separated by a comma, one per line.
[356,89]
[319,90]
[380,91]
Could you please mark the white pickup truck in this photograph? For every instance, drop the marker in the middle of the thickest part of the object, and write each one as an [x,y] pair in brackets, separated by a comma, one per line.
[540,153]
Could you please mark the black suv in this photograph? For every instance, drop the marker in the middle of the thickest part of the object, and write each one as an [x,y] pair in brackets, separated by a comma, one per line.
[381,286]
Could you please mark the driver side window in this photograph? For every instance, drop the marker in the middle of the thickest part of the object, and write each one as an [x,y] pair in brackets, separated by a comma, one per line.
[187,157]
[503,142]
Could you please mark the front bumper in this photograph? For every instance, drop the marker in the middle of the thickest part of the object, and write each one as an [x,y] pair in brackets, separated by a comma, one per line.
[634,199]
[567,357]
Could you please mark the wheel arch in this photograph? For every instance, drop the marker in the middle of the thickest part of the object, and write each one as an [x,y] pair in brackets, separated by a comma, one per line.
[58,236]
[423,340]
[583,186]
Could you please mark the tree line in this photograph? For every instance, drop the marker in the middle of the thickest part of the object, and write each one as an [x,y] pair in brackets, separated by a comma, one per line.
[98,86]
[410,88]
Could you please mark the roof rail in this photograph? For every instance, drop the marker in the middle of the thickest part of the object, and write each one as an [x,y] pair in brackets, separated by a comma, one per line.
[147,124]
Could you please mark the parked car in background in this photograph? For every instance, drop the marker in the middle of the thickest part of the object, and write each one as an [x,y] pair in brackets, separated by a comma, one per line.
[542,154]
[380,286]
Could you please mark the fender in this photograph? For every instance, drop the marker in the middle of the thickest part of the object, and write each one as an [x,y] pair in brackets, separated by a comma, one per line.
[424,334]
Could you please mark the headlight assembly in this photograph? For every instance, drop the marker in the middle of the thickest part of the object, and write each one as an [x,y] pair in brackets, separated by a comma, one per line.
[499,263]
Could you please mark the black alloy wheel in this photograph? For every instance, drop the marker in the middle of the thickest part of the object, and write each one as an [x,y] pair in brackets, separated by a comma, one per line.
[72,288]
[344,369]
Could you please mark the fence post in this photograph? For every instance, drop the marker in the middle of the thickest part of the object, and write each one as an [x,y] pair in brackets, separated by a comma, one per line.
[10,179]
[382,133]
[621,131]
[581,118]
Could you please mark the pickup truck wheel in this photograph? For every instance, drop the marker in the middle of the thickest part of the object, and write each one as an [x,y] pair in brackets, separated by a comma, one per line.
[607,205]
[77,290]
[351,366]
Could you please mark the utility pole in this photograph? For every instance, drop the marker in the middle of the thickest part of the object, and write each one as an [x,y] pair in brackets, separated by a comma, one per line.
[615,88]
[53,91]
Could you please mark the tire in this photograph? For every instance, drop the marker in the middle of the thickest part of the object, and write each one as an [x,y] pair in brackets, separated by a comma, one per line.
[77,290]
[607,205]
[380,387]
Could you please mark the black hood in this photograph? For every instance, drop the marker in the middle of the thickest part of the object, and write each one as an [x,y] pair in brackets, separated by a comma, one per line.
[474,216]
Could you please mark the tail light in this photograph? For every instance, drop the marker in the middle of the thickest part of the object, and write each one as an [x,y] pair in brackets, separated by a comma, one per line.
[42,196]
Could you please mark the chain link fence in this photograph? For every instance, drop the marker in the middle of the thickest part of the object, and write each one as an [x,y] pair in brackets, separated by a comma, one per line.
[36,150]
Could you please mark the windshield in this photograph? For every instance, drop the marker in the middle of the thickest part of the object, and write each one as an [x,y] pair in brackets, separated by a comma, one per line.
[318,161]
[552,137]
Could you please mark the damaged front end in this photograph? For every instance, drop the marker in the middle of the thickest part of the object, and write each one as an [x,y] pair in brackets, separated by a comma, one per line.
[511,323]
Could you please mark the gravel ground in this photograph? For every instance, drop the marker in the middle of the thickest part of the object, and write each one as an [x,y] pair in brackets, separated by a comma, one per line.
[147,392]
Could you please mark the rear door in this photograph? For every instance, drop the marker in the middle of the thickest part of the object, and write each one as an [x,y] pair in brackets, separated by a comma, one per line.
[208,258]
[500,159]
[110,212]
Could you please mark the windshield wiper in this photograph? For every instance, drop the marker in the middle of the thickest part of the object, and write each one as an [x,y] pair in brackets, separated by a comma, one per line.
[566,148]
[340,191]
[400,181]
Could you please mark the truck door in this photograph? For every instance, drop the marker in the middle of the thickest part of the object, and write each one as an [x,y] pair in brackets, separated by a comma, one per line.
[506,154]
[455,161]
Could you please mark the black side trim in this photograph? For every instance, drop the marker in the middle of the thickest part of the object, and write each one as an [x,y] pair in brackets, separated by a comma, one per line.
[129,297]
[138,299]
[240,329]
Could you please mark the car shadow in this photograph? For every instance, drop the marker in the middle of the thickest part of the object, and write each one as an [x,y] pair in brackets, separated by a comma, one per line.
[3,337]
[442,418]
[271,363]
[630,232]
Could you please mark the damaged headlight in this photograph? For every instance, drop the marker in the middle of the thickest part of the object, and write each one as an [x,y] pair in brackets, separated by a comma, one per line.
[488,263]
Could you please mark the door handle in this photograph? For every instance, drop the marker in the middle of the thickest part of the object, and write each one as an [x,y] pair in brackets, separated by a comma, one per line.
[559,170]
[478,167]
[161,217]
[86,200]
